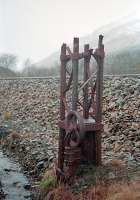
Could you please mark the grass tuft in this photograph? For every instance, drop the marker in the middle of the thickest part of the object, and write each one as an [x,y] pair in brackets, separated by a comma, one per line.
[48,184]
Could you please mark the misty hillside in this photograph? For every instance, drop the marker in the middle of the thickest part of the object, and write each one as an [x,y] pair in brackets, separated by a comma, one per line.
[122,47]
[5,72]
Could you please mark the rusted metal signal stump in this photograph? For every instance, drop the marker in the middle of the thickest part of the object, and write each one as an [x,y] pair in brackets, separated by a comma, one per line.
[80,109]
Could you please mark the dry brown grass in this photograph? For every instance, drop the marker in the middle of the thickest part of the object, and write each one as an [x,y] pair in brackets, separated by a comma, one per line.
[124,192]
[118,191]
[61,193]
[7,115]
[49,173]
[115,163]
[115,189]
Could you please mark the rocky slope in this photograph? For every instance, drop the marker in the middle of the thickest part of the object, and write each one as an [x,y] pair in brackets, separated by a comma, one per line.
[30,110]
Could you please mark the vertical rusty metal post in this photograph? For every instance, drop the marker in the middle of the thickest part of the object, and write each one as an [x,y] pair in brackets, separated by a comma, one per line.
[62,106]
[75,63]
[99,83]
[99,94]
[86,76]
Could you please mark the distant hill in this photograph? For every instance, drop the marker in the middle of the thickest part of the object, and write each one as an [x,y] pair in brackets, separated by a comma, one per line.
[124,61]
[5,72]
[122,47]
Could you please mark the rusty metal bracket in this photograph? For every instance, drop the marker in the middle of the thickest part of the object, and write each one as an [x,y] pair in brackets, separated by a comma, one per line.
[88,54]
[64,57]
[99,53]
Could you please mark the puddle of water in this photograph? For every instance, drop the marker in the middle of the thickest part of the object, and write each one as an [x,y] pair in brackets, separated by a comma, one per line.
[13,180]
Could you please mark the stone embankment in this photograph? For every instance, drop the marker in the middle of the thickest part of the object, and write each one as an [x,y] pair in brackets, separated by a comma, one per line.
[29,109]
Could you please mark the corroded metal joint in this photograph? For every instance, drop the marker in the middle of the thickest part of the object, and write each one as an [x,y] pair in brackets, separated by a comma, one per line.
[64,57]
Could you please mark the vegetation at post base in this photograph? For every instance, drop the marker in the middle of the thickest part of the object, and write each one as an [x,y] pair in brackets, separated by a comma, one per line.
[100,191]
[95,183]
[48,183]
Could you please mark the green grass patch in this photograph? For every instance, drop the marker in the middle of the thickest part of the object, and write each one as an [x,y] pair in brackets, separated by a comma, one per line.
[49,183]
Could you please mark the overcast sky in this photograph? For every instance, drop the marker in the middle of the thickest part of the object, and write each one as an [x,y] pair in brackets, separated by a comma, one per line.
[36,28]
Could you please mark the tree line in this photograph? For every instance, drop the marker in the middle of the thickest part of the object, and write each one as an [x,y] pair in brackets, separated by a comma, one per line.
[123,62]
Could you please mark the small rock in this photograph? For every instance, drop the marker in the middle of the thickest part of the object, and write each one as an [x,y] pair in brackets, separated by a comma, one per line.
[27,186]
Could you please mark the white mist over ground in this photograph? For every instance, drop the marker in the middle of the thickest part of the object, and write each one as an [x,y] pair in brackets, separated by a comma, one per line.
[36,28]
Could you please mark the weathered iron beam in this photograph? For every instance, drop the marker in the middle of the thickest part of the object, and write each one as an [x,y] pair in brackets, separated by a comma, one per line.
[86,87]
[62,107]
[99,81]
[99,94]
[75,63]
